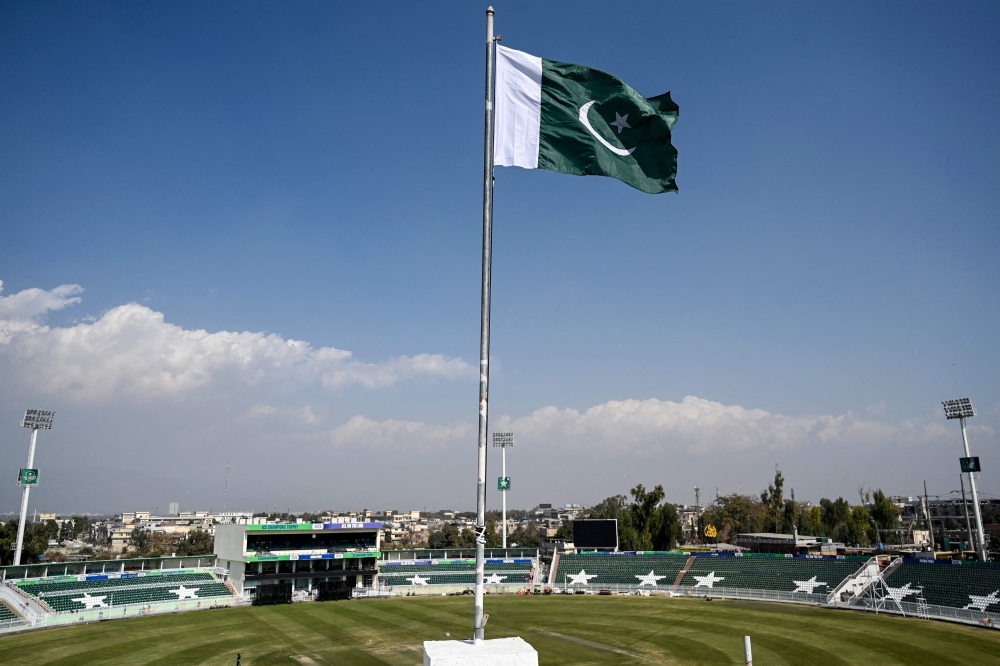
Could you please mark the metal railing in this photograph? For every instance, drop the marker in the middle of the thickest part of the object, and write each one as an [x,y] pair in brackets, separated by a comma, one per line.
[117,612]
[437,589]
[928,612]
[699,592]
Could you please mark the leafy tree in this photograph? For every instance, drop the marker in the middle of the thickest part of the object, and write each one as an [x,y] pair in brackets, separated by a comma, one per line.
[774,499]
[886,516]
[735,514]
[138,541]
[858,529]
[834,514]
[467,538]
[790,516]
[36,542]
[196,542]
[811,522]
[645,523]
[493,537]
[525,536]
[446,537]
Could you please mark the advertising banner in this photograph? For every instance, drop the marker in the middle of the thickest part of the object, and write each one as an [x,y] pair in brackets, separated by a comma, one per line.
[27,477]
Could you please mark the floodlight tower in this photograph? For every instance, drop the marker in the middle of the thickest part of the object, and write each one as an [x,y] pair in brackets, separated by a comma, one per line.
[962,409]
[36,419]
[504,440]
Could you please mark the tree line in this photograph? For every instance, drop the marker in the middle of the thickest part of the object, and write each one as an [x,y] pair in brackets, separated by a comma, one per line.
[854,525]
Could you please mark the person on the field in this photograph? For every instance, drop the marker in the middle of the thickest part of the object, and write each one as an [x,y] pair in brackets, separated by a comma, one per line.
[238,659]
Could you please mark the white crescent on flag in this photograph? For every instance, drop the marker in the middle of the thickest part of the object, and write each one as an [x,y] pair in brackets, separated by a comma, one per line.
[586,123]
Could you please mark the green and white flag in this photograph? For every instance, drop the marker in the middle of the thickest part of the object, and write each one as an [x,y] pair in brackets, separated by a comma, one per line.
[581,121]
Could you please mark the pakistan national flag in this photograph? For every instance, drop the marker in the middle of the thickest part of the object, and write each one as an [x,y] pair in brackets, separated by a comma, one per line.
[578,120]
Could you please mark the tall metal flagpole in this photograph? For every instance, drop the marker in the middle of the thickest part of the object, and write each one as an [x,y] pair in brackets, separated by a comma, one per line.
[484,337]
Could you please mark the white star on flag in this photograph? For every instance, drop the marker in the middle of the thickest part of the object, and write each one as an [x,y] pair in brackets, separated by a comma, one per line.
[649,579]
[581,578]
[982,603]
[417,580]
[494,579]
[185,592]
[898,593]
[91,602]
[620,122]
[807,585]
[708,581]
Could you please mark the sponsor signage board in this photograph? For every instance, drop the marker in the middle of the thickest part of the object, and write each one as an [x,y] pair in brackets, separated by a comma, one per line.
[27,477]
[970,464]
[322,556]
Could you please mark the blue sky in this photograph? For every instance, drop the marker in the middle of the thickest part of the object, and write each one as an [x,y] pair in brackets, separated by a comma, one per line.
[313,171]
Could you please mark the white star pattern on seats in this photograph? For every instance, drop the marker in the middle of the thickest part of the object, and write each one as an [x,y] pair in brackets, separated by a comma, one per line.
[91,602]
[581,578]
[417,580]
[649,579]
[897,594]
[494,579]
[185,592]
[982,603]
[807,586]
[708,581]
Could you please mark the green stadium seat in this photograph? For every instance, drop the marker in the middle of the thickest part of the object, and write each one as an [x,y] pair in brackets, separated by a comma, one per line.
[454,572]
[968,585]
[64,594]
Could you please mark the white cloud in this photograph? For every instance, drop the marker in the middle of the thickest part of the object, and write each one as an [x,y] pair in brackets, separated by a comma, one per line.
[131,349]
[34,303]
[693,424]
[398,434]
[303,414]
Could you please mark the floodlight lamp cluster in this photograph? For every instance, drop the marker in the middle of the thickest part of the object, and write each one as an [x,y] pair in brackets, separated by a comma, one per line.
[958,409]
[38,419]
[503,439]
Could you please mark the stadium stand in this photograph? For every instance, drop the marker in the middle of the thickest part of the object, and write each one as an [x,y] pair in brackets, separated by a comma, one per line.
[621,568]
[967,585]
[759,571]
[72,594]
[455,572]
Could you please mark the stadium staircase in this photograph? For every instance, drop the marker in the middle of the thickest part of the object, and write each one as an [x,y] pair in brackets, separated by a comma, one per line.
[553,569]
[856,586]
[680,574]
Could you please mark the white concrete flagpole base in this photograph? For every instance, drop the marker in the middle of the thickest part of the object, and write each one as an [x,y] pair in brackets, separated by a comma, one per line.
[496,652]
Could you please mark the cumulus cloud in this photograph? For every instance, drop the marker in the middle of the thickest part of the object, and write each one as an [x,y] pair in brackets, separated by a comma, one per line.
[398,434]
[694,424]
[132,349]
[31,304]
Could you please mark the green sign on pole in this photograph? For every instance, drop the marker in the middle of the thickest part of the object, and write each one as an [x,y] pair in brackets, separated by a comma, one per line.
[27,477]
[503,483]
[970,464]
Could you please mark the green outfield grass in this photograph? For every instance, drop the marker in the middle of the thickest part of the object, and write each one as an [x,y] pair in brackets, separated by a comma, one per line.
[564,630]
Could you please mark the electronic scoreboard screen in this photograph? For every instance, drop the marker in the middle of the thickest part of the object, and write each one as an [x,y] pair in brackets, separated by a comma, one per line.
[596,533]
